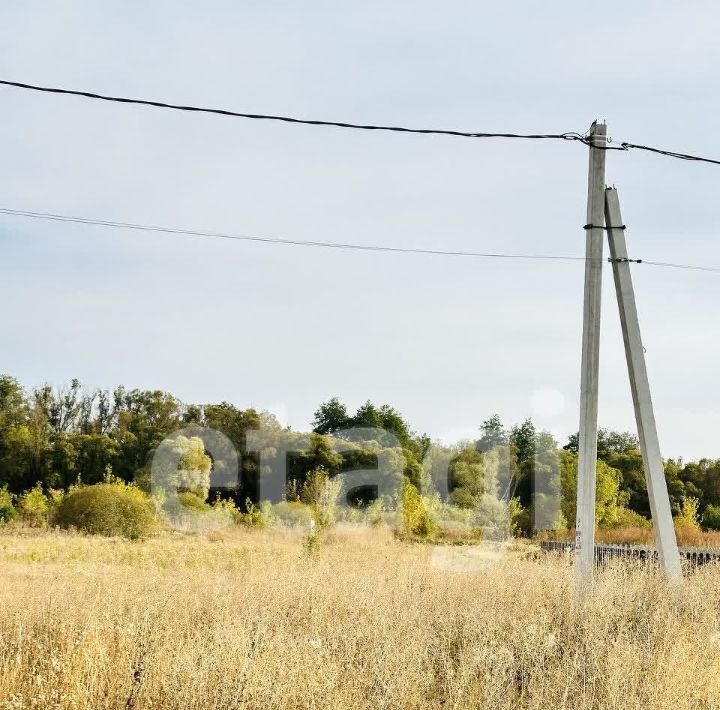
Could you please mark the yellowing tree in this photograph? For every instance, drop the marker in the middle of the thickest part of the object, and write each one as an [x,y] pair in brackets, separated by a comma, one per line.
[608,497]
[185,467]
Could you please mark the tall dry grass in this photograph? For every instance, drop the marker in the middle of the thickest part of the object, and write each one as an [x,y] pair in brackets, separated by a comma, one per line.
[256,620]
[686,536]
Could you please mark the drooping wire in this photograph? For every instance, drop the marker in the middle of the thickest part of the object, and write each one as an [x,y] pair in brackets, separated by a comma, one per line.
[279,240]
[54,217]
[568,136]
[669,153]
[692,267]
[583,138]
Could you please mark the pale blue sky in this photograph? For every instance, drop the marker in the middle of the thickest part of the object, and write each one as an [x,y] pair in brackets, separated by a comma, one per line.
[446,341]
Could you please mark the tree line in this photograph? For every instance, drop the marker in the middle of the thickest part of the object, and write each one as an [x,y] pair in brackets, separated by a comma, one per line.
[57,437]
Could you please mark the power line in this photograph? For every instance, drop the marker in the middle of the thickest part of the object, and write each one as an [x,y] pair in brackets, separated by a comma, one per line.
[278,240]
[669,153]
[54,217]
[567,136]
[288,119]
[692,267]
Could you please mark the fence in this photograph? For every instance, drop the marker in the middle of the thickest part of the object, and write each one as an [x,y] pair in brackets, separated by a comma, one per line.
[695,557]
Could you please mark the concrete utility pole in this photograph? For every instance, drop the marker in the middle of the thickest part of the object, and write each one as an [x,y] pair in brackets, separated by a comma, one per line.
[587,445]
[640,386]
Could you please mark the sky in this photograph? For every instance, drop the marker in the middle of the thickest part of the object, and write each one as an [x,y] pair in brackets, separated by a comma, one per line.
[447,341]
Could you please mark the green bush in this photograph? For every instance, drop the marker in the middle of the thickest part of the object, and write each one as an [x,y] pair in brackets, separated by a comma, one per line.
[111,509]
[34,507]
[257,516]
[253,517]
[375,513]
[463,498]
[415,518]
[426,527]
[711,517]
[227,507]
[520,520]
[627,518]
[188,511]
[7,510]
[191,500]
[311,544]
[293,514]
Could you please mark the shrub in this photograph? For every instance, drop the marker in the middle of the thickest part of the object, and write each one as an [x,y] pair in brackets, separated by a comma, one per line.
[261,515]
[711,517]
[321,492]
[55,497]
[519,518]
[357,516]
[182,465]
[34,507]
[627,518]
[107,509]
[426,527]
[192,501]
[463,498]
[311,544]
[188,511]
[7,510]
[293,514]
[415,518]
[253,517]
[688,518]
[227,507]
[375,513]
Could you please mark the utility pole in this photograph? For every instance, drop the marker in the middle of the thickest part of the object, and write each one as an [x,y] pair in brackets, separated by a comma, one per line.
[639,384]
[587,448]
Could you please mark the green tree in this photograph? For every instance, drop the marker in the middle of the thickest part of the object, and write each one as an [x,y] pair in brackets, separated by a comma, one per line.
[320,454]
[34,507]
[711,484]
[522,437]
[609,442]
[493,434]
[466,479]
[630,465]
[13,405]
[192,472]
[676,487]
[331,416]
[710,518]
[608,497]
[368,416]
[94,453]
[145,418]
[7,509]
[235,423]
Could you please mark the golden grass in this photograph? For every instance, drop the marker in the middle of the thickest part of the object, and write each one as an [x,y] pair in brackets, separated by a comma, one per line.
[251,619]
[686,537]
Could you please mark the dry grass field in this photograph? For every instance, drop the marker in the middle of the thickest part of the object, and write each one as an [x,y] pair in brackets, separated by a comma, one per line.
[686,537]
[260,620]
